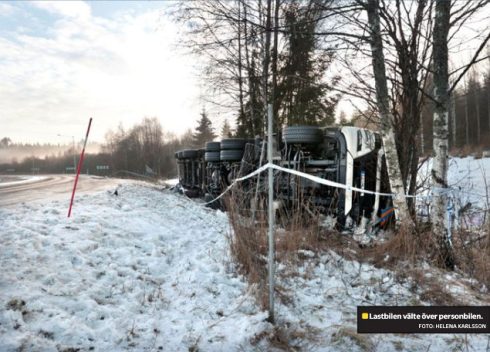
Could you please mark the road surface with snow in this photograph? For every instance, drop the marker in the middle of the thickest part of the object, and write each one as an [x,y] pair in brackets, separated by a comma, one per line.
[35,188]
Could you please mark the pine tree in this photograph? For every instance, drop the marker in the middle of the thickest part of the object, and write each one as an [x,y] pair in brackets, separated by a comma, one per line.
[204,131]
[226,131]
[303,98]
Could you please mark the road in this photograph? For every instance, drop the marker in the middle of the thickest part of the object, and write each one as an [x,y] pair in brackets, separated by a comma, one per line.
[52,187]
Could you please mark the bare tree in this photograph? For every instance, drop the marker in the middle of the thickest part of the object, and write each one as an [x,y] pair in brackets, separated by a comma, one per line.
[382,98]
[440,227]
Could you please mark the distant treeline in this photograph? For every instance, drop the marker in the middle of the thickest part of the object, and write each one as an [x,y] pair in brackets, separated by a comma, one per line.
[142,149]
[56,164]
[13,152]
[469,115]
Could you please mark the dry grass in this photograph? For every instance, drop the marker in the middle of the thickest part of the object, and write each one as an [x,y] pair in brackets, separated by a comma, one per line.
[299,236]
[285,338]
[434,292]
[472,252]
[249,243]
[343,333]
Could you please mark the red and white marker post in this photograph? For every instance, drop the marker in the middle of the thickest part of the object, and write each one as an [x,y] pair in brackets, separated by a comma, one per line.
[79,168]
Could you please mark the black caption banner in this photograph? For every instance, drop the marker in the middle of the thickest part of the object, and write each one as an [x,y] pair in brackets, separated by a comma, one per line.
[423,319]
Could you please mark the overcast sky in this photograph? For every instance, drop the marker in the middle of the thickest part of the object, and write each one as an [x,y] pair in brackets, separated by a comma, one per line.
[115,61]
[63,62]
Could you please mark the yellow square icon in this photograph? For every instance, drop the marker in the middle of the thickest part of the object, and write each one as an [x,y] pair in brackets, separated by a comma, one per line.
[364,316]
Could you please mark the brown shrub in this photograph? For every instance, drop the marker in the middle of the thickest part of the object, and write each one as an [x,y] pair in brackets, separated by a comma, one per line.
[405,245]
[472,252]
[294,231]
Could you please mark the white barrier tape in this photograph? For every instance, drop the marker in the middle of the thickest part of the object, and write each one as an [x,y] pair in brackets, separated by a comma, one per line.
[252,174]
[356,189]
[328,182]
[323,182]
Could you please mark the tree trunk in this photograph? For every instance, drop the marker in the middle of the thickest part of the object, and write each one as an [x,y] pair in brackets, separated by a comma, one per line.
[267,55]
[240,69]
[440,227]
[422,142]
[466,116]
[275,105]
[488,103]
[387,131]
[477,105]
[250,73]
[453,116]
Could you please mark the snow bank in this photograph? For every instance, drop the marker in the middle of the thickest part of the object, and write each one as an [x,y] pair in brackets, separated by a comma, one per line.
[146,270]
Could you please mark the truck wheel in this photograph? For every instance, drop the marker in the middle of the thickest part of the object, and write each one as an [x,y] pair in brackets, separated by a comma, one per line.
[231,155]
[302,135]
[233,143]
[213,146]
[212,156]
[189,153]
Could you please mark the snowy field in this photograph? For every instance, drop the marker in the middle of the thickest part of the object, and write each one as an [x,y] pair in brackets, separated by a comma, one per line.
[469,178]
[149,270]
[469,182]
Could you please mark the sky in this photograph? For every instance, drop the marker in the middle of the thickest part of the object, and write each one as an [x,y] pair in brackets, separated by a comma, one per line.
[64,62]
[116,61]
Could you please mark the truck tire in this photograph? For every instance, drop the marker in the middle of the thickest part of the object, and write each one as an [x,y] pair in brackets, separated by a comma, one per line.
[302,135]
[231,155]
[233,143]
[213,147]
[212,156]
[189,153]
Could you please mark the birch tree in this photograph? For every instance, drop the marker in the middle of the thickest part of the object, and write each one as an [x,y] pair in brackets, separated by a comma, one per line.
[441,131]
[383,104]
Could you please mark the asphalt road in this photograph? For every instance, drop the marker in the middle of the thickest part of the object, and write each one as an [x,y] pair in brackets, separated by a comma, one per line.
[53,187]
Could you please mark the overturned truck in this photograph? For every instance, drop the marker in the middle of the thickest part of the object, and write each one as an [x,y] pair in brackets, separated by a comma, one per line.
[349,156]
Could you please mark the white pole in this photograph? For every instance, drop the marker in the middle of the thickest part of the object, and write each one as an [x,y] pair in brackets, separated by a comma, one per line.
[271,216]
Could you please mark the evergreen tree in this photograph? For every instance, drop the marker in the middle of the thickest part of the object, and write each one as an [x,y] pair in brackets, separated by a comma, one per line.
[343,120]
[5,142]
[204,131]
[226,131]
[303,98]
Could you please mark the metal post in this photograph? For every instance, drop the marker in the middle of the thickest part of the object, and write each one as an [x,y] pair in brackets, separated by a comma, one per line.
[271,216]
[80,164]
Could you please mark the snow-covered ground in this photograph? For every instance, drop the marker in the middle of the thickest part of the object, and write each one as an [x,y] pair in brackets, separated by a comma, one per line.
[469,188]
[467,177]
[150,270]
[145,270]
